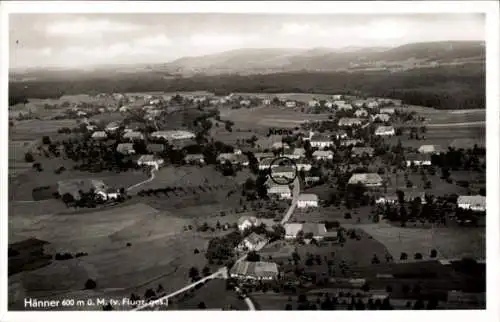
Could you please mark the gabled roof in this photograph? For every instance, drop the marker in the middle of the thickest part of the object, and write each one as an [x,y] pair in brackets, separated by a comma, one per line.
[243,219]
[476,200]
[255,238]
[365,178]
[308,197]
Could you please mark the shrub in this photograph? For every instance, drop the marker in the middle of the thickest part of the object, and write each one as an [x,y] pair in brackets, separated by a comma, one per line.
[347,215]
[90,284]
[403,256]
[418,256]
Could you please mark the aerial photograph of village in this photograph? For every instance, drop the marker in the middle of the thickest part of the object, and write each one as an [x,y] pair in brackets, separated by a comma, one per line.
[167,162]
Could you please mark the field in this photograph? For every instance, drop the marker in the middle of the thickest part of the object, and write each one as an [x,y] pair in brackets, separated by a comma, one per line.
[450,243]
[160,252]
[35,129]
[20,187]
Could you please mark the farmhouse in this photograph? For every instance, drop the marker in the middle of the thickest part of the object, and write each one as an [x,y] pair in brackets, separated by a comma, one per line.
[340,134]
[465,144]
[387,110]
[125,148]
[303,165]
[385,131]
[381,117]
[155,148]
[346,121]
[323,155]
[284,171]
[361,151]
[253,242]
[266,163]
[150,160]
[112,126]
[311,179]
[474,203]
[280,145]
[77,186]
[291,104]
[266,102]
[361,113]
[245,102]
[320,141]
[194,159]
[255,270]
[298,153]
[263,155]
[358,103]
[313,103]
[329,104]
[350,142]
[173,135]
[337,97]
[307,200]
[282,191]
[366,179]
[344,107]
[418,159]
[246,222]
[133,136]
[431,149]
[292,230]
[233,158]
[135,126]
[99,135]
[91,127]
[372,104]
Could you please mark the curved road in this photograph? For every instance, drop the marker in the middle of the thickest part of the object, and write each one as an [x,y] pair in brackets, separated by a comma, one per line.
[151,178]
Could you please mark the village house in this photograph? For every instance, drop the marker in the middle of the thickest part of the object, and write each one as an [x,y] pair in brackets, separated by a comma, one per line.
[123,109]
[329,104]
[266,102]
[313,103]
[125,148]
[361,113]
[99,135]
[362,151]
[292,230]
[133,136]
[340,134]
[134,126]
[76,187]
[303,165]
[320,141]
[408,197]
[246,222]
[344,107]
[381,117]
[311,179]
[284,172]
[253,242]
[366,179]
[81,113]
[280,145]
[307,200]
[155,148]
[291,104]
[263,155]
[387,110]
[474,203]
[316,230]
[323,155]
[358,103]
[298,153]
[372,104]
[91,127]
[282,191]
[194,159]
[150,160]
[385,131]
[336,97]
[254,270]
[346,121]
[430,149]
[350,142]
[173,135]
[418,160]
[112,126]
[266,163]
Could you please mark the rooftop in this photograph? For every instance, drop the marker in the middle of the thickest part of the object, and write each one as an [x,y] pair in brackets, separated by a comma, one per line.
[308,197]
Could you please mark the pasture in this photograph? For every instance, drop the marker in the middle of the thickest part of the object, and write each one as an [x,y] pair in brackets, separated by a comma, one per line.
[160,252]
[450,243]
[29,130]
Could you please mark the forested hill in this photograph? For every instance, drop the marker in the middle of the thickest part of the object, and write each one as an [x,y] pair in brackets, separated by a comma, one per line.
[450,87]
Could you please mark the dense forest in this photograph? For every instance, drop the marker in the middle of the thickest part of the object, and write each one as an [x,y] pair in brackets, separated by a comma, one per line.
[458,87]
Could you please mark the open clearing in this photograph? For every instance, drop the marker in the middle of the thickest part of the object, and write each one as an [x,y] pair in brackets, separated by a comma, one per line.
[35,129]
[160,252]
[450,243]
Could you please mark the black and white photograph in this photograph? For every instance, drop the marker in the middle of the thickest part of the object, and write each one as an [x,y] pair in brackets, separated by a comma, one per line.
[259,160]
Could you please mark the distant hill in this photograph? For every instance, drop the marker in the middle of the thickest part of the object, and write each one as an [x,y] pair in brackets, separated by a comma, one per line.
[253,61]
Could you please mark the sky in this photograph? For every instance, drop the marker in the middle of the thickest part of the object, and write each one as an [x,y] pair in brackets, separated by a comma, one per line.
[86,40]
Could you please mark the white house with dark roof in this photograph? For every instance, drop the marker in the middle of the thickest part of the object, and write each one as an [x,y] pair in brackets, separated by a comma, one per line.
[254,270]
[283,171]
[385,131]
[307,200]
[266,163]
[361,113]
[291,104]
[366,179]
[381,117]
[253,242]
[418,159]
[320,141]
[372,104]
[323,155]
[346,121]
[125,148]
[361,151]
[474,203]
[150,160]
[303,165]
[387,110]
[133,136]
[282,191]
[313,103]
[99,135]
[350,142]
[430,149]
[245,222]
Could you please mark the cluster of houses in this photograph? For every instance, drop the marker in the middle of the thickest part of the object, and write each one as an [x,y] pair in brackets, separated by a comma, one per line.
[76,187]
